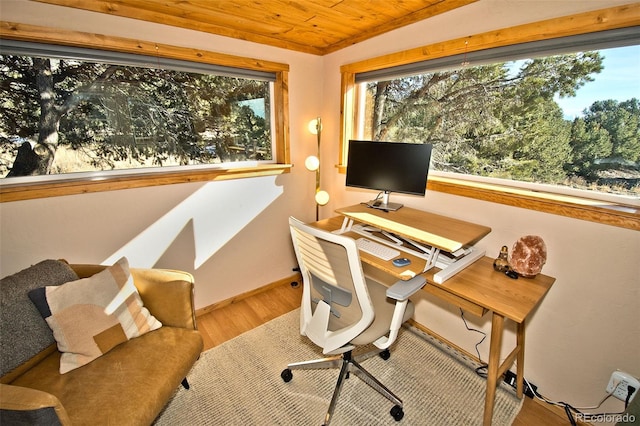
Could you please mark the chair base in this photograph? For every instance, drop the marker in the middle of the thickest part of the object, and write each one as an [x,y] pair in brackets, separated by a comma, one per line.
[348,364]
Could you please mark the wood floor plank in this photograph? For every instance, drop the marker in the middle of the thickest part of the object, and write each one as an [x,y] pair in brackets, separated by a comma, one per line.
[534,413]
[225,323]
[272,304]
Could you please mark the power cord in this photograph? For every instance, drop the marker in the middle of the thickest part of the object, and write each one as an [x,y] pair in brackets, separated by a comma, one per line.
[570,410]
[630,391]
[562,404]
[482,369]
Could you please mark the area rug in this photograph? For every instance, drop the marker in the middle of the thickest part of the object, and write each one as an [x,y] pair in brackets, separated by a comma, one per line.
[238,383]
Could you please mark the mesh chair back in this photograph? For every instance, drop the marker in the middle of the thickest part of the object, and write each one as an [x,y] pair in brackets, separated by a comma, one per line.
[336,306]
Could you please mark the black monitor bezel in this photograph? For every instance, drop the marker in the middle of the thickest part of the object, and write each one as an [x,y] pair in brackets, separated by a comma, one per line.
[360,162]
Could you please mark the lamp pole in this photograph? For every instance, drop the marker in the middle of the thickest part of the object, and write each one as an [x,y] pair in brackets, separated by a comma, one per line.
[312,163]
[318,133]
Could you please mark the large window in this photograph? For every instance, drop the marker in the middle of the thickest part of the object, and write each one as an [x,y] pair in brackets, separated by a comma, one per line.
[496,107]
[570,119]
[73,113]
[63,111]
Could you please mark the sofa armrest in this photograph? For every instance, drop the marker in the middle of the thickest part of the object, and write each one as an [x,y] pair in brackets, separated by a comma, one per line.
[167,294]
[20,405]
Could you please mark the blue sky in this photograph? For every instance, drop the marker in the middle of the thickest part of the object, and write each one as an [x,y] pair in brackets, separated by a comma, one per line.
[619,80]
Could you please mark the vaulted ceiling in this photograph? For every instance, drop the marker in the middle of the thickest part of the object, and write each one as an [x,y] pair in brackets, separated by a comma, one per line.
[311,26]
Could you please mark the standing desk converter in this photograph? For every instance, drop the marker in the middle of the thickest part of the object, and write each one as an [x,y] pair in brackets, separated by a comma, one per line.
[478,288]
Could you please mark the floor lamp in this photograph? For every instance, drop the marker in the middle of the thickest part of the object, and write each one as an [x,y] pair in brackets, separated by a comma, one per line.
[312,163]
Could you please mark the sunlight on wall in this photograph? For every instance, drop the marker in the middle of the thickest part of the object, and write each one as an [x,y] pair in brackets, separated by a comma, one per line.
[218,210]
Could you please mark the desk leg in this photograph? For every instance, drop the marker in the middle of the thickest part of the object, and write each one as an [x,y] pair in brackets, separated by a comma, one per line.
[497,326]
[520,360]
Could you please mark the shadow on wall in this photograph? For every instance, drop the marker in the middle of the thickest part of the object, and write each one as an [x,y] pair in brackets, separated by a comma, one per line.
[210,218]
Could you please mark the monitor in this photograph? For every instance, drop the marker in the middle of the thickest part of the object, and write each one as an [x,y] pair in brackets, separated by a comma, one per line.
[388,167]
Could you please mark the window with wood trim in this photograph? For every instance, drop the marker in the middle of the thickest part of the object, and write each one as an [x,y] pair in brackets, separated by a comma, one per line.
[74,114]
[563,112]
[382,102]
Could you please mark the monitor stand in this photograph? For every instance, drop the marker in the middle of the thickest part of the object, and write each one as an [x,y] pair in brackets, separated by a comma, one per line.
[384,204]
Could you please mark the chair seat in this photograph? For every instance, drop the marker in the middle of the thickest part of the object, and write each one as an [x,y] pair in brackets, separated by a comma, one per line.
[383,307]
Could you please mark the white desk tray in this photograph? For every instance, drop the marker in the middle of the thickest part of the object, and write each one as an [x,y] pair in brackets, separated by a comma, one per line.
[449,263]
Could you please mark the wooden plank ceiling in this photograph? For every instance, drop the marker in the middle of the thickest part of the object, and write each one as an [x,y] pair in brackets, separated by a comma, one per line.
[311,26]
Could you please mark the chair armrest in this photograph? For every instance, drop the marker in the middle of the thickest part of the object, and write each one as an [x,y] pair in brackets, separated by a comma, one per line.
[402,290]
[168,295]
[29,406]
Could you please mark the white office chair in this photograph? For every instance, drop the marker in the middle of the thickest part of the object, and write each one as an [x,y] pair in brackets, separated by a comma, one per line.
[341,309]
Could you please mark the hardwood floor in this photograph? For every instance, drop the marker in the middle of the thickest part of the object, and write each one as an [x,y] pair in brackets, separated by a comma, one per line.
[227,322]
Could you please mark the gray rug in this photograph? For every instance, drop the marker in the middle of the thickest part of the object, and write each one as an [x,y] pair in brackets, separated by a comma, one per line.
[238,383]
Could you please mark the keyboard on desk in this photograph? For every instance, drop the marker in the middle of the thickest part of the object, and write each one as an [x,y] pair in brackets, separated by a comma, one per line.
[377,249]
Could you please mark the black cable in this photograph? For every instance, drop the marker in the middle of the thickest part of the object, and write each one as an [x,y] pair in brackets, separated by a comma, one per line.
[584,416]
[483,365]
[630,391]
[569,409]
[569,415]
[479,371]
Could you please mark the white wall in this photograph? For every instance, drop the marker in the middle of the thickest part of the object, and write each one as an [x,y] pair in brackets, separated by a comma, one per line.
[233,235]
[589,323]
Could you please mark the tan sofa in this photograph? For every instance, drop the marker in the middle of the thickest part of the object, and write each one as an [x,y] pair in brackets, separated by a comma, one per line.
[129,385]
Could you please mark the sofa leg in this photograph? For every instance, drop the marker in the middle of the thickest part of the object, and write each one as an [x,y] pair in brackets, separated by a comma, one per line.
[185,383]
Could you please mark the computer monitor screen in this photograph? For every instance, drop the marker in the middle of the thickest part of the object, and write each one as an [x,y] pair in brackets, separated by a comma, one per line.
[388,167]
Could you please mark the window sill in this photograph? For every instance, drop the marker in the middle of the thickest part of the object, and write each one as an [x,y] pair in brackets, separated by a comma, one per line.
[609,213]
[19,192]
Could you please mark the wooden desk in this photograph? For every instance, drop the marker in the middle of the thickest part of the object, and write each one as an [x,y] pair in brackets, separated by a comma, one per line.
[477,289]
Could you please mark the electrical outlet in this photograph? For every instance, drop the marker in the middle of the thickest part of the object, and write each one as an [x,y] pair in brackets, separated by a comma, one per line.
[619,385]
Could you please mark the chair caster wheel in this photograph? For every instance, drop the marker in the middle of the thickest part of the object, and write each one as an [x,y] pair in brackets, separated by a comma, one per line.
[397,413]
[385,354]
[286,375]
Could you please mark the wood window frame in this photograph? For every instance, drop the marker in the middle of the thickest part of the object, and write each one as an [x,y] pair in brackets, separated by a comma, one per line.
[615,214]
[138,179]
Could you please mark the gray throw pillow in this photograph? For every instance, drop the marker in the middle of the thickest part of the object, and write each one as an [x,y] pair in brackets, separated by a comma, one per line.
[23,331]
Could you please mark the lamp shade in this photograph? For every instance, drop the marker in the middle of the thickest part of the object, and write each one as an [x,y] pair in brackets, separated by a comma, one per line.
[312,163]
[315,126]
[322,197]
